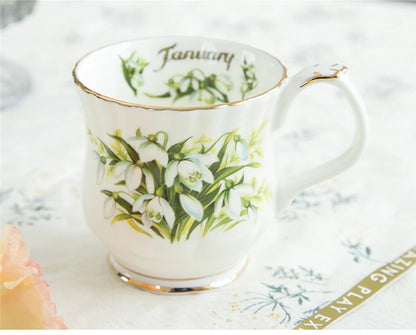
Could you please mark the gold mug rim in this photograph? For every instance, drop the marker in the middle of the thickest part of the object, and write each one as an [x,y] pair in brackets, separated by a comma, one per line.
[179,108]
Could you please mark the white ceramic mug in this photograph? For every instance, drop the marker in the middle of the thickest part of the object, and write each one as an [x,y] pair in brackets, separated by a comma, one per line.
[179,176]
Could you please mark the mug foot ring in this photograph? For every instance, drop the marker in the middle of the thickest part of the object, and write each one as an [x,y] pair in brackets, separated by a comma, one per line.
[163,285]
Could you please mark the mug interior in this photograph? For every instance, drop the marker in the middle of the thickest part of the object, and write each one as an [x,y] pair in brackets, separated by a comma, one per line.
[178,72]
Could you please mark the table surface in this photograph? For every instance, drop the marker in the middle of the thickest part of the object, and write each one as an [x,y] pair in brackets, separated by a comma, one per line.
[330,237]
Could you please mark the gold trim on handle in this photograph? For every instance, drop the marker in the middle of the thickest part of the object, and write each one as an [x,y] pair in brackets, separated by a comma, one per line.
[319,76]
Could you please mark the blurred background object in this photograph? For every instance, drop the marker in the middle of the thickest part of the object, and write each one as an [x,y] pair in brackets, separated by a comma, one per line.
[15,81]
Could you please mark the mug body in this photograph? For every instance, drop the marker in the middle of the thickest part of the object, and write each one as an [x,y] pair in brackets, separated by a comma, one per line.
[178,179]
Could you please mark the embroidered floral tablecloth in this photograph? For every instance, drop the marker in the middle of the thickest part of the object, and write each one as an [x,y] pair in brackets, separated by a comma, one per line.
[332,235]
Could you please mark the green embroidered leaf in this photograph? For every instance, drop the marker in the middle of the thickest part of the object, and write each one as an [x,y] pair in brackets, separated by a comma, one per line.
[130,151]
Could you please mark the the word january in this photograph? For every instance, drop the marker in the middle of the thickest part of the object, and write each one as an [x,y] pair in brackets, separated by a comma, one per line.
[169,54]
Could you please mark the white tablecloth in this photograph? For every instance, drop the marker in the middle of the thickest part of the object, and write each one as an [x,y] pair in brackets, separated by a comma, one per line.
[326,241]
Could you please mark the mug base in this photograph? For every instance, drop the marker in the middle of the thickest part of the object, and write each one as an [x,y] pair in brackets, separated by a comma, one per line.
[176,286]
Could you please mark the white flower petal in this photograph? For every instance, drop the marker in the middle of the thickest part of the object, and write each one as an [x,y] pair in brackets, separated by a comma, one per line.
[187,171]
[133,177]
[207,96]
[120,167]
[150,183]
[171,172]
[242,150]
[168,212]
[187,168]
[183,85]
[195,85]
[100,172]
[146,221]
[252,214]
[218,204]
[155,206]
[206,174]
[233,204]
[150,151]
[195,186]
[198,75]
[139,204]
[109,207]
[206,159]
[191,206]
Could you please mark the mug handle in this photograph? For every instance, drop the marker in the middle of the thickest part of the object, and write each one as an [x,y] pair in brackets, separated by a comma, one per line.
[336,75]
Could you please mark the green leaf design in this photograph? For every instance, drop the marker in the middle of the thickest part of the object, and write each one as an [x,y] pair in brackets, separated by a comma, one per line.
[121,217]
[176,148]
[211,218]
[188,208]
[137,228]
[249,78]
[195,84]
[127,75]
[163,228]
[163,95]
[109,151]
[132,69]
[130,151]
[106,192]
[157,232]
[231,170]
[124,203]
